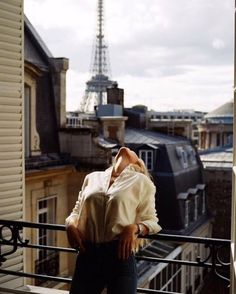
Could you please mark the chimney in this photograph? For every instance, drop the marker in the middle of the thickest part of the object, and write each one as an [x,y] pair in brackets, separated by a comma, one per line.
[113,128]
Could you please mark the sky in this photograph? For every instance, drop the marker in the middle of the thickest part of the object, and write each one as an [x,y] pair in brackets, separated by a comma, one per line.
[166,54]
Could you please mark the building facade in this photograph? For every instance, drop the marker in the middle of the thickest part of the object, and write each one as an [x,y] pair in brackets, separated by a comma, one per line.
[217,167]
[216,130]
[179,123]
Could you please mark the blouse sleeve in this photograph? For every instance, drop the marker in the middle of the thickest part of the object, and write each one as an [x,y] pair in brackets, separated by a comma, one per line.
[146,209]
[78,205]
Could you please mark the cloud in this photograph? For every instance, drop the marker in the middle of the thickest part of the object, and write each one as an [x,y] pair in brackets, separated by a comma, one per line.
[160,51]
[75,88]
[186,91]
[218,44]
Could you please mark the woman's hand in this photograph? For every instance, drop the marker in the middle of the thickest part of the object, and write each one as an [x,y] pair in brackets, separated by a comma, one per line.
[74,236]
[127,241]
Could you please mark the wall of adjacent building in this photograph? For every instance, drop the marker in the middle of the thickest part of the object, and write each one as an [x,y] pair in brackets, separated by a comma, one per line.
[11,126]
[51,184]
[219,189]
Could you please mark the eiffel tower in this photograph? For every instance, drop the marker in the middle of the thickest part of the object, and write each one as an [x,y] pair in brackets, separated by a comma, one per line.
[96,87]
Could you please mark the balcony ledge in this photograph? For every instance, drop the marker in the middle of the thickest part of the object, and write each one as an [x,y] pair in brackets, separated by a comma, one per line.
[42,290]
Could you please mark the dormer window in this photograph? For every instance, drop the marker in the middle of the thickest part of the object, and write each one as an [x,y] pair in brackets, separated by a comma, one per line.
[187,213]
[32,142]
[147,157]
[191,154]
[202,200]
[182,155]
[192,204]
[196,206]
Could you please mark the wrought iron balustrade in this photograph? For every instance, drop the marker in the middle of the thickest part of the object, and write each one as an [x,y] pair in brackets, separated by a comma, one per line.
[11,236]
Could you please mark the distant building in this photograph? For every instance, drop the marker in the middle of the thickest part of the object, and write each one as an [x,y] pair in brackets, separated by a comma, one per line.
[179,123]
[113,107]
[217,127]
[72,119]
[137,116]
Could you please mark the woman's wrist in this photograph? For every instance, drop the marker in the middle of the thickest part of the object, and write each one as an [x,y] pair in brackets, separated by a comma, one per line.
[141,229]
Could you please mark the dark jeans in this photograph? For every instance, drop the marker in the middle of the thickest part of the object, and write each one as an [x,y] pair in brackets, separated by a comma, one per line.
[99,267]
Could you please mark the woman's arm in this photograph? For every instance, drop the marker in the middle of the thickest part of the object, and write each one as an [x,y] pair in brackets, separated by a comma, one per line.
[127,240]
[74,236]
[147,215]
[147,221]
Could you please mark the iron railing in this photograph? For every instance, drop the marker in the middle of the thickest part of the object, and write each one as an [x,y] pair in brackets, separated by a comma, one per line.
[15,240]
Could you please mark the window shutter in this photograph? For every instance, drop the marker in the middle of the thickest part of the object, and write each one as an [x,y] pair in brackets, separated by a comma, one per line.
[11,126]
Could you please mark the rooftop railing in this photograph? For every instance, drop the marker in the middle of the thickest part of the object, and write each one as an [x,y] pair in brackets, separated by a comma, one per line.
[11,235]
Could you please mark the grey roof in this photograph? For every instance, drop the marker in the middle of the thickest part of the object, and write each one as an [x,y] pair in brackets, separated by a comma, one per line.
[34,33]
[141,136]
[225,110]
[105,143]
[218,158]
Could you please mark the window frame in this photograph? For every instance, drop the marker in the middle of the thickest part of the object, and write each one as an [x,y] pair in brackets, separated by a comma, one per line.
[187,209]
[149,165]
[183,156]
[34,143]
[47,261]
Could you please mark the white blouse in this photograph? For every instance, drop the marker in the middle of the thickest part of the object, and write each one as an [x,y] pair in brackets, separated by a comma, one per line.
[102,211]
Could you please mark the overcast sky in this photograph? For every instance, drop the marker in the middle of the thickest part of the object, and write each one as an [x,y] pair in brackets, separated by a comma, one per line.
[166,54]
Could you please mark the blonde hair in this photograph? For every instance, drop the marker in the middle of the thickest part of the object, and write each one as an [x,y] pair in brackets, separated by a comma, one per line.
[140,167]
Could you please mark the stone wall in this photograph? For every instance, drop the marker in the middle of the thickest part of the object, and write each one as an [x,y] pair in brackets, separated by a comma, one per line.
[219,190]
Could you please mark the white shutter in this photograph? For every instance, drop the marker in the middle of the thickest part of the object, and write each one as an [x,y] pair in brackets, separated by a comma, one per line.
[11,125]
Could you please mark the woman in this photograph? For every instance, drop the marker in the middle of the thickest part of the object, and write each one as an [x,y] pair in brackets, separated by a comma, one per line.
[113,208]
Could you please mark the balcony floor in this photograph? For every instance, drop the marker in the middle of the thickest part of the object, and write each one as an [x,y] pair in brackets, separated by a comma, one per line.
[33,290]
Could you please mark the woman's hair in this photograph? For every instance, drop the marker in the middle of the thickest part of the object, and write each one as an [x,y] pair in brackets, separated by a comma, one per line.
[135,162]
[140,167]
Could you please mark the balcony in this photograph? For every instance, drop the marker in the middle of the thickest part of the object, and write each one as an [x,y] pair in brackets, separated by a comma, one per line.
[160,251]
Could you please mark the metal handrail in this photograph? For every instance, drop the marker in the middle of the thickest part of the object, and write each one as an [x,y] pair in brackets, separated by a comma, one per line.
[15,241]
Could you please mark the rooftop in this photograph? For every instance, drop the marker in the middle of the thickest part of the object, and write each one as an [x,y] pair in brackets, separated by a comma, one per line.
[225,110]
[140,136]
[217,158]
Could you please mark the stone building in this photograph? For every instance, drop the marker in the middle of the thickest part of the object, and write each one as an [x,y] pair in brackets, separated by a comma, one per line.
[217,168]
[179,123]
[217,127]
[46,169]
[217,172]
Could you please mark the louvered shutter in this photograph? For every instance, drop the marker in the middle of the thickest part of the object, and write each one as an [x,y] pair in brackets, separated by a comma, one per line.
[11,125]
